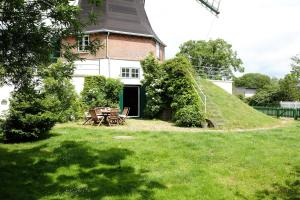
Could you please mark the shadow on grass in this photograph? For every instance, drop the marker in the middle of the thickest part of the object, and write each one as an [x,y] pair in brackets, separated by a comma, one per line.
[71,170]
[288,191]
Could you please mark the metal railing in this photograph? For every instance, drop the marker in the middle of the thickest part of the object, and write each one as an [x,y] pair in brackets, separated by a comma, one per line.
[198,89]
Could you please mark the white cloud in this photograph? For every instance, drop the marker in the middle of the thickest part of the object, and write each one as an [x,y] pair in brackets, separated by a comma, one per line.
[266,33]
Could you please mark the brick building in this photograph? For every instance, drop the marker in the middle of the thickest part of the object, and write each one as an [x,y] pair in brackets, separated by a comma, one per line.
[127,37]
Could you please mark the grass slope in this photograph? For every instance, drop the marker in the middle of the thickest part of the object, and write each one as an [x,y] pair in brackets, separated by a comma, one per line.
[88,163]
[234,112]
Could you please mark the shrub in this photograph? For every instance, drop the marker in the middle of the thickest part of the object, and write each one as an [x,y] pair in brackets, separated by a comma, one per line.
[189,116]
[29,116]
[112,90]
[182,93]
[57,86]
[99,91]
[170,85]
[154,77]
[36,106]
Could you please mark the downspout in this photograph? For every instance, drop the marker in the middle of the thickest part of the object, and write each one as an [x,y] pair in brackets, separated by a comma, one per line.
[107,54]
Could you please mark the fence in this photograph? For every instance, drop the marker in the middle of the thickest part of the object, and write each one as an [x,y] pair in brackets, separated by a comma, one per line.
[287,104]
[279,112]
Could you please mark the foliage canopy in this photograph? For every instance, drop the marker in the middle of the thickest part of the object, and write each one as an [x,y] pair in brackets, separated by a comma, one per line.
[213,59]
[99,91]
[253,80]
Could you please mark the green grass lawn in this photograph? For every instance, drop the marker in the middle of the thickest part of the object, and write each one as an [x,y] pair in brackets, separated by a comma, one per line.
[88,163]
[234,112]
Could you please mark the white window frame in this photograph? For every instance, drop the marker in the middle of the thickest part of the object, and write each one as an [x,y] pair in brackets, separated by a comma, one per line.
[82,48]
[130,70]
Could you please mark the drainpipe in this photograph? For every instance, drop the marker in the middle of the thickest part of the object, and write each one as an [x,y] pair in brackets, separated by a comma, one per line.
[107,55]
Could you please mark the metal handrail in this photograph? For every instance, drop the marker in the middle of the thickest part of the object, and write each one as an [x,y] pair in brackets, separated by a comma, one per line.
[199,90]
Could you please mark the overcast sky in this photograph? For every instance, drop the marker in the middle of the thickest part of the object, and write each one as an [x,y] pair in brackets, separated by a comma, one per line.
[265,33]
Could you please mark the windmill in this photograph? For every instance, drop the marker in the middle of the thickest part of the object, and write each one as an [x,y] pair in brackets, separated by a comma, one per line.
[128,37]
[212,5]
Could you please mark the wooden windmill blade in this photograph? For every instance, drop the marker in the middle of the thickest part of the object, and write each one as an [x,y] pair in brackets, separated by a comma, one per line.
[212,5]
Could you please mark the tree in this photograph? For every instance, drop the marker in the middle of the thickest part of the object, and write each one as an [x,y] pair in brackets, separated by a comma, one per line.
[214,59]
[270,95]
[289,88]
[253,80]
[29,33]
[296,66]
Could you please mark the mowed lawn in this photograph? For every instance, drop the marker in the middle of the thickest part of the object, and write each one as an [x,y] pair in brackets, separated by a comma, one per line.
[90,163]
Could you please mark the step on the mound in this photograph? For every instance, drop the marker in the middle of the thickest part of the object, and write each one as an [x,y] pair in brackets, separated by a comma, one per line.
[214,123]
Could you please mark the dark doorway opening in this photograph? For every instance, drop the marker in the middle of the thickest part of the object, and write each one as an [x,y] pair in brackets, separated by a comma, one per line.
[131,100]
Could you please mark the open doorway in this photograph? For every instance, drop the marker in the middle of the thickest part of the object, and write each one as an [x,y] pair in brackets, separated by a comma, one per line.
[131,99]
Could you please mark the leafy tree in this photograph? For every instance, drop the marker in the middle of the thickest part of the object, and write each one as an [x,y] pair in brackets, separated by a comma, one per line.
[296,66]
[253,80]
[30,32]
[214,59]
[289,88]
[270,95]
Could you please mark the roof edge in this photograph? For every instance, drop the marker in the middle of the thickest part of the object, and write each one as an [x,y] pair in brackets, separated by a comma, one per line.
[126,33]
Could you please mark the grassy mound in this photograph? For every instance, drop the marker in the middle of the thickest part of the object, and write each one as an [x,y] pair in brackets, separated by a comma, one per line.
[230,111]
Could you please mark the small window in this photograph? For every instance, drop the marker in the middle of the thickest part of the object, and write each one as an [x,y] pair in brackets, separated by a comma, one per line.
[130,72]
[135,73]
[4,102]
[83,43]
[125,72]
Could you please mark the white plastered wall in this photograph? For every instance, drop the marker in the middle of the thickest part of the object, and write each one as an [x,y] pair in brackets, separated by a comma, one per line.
[5,92]
[109,68]
[105,67]
[225,85]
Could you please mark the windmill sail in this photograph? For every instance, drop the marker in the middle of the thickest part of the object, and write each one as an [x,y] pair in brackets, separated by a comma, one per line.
[211,5]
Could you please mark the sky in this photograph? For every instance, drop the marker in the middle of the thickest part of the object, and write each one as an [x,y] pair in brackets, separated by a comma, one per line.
[265,33]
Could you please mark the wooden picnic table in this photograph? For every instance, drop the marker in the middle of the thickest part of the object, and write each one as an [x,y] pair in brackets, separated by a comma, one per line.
[106,113]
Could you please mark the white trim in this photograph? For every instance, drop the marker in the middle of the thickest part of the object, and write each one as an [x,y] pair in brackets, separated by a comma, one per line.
[119,32]
[83,44]
[130,73]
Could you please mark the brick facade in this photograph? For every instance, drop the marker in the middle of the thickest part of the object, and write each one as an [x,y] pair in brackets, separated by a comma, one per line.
[122,47]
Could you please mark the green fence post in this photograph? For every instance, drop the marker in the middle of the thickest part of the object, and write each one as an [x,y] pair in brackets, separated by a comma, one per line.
[277,112]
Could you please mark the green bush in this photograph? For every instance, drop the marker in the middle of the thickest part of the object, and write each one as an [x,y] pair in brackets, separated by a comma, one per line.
[154,77]
[189,116]
[181,90]
[101,92]
[57,87]
[36,106]
[170,85]
[29,116]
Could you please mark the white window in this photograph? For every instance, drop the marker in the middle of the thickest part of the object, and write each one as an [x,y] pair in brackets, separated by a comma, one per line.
[135,73]
[157,50]
[127,72]
[83,43]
